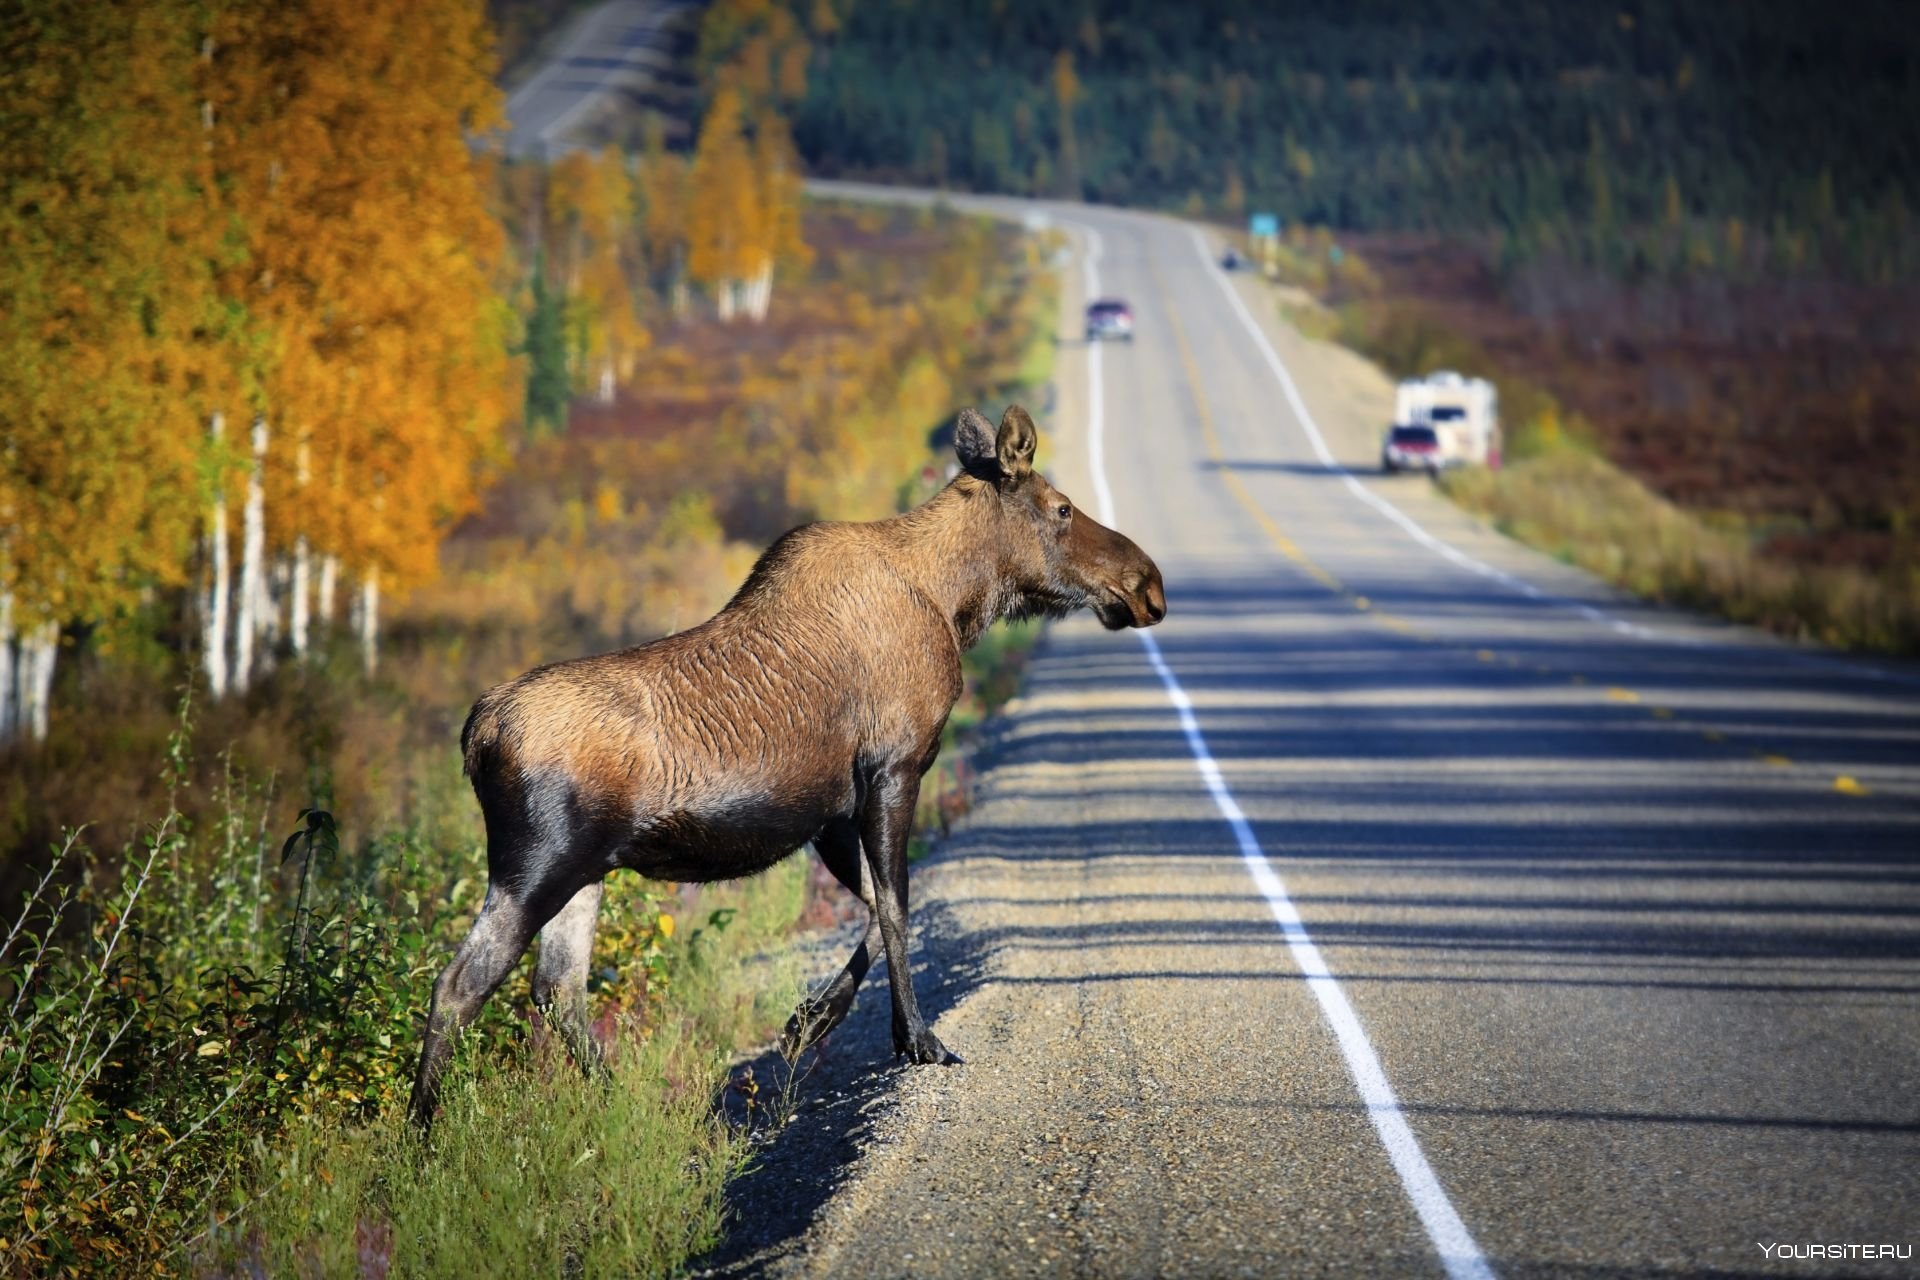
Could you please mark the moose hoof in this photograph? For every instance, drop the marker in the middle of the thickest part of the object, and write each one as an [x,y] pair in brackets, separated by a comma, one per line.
[926,1048]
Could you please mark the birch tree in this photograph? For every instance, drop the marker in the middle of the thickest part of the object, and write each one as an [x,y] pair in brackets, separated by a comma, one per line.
[590,220]
[214,609]
[372,260]
[780,191]
[723,215]
[253,555]
[105,288]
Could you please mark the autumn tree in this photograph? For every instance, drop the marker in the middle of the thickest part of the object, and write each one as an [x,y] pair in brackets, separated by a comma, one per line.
[779,189]
[662,186]
[104,269]
[372,261]
[743,214]
[591,221]
[723,214]
[758,50]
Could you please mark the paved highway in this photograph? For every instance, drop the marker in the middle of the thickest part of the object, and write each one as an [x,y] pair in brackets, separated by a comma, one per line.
[1407,904]
[606,54]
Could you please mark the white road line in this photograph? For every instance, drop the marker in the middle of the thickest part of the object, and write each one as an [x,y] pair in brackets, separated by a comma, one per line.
[1311,429]
[1458,1252]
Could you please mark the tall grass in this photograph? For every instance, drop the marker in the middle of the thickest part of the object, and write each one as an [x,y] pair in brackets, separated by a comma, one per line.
[530,1171]
[1582,509]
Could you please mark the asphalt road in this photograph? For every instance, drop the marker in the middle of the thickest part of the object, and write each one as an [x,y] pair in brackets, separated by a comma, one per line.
[1560,935]
[604,55]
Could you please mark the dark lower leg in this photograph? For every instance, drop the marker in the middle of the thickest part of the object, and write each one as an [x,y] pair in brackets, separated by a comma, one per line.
[839,849]
[492,947]
[560,976]
[820,1013]
[883,837]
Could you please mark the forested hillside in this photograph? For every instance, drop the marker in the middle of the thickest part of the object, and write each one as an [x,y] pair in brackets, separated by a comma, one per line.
[1568,123]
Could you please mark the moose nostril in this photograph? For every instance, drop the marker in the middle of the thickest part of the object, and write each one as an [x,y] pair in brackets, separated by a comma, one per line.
[1156,610]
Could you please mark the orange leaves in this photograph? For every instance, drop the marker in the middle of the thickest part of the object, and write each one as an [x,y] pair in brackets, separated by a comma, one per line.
[743,215]
[757,50]
[105,283]
[371,260]
[723,214]
[253,209]
[591,213]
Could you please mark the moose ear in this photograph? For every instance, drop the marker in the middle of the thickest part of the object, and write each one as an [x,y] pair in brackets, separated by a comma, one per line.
[1016,442]
[973,442]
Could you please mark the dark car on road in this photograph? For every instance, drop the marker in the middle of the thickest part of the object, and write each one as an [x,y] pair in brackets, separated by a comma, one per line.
[1109,318]
[1410,449]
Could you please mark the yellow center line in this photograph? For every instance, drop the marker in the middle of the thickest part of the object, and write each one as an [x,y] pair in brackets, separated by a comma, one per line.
[1287,547]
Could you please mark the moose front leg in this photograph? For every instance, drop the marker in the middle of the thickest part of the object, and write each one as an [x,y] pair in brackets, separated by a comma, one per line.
[883,832]
[839,848]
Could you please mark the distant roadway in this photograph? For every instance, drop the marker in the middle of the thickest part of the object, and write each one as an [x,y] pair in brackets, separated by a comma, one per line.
[602,56]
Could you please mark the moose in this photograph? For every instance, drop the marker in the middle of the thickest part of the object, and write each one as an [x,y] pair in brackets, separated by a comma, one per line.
[805,711]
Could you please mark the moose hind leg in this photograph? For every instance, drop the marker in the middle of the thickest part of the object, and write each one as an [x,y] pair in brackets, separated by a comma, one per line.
[820,1013]
[492,947]
[560,975]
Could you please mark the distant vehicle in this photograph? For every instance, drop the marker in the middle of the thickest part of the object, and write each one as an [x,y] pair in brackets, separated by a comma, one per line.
[1461,415]
[1230,260]
[1410,449]
[1109,318]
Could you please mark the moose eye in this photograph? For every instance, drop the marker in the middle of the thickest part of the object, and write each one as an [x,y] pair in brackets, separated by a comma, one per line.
[1063,511]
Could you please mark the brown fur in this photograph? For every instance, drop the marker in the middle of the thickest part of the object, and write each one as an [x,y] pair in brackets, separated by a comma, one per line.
[806,710]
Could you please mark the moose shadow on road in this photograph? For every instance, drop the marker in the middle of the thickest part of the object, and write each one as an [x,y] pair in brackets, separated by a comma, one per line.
[836,1092]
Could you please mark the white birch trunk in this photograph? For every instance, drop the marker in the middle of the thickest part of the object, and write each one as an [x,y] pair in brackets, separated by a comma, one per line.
[724,300]
[297,616]
[253,547]
[369,619]
[760,291]
[38,652]
[606,383]
[213,636]
[6,665]
[329,575]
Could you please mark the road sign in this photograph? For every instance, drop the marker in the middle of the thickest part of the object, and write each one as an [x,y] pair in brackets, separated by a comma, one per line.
[1263,226]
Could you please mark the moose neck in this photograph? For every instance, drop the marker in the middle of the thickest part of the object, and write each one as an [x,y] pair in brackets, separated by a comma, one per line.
[954,546]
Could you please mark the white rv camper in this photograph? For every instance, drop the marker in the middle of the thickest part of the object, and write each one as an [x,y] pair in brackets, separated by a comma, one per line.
[1462,414]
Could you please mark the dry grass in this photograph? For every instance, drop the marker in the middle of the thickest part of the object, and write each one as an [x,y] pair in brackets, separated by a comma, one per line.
[1575,505]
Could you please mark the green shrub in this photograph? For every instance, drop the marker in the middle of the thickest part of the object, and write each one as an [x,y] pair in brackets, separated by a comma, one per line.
[530,1171]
